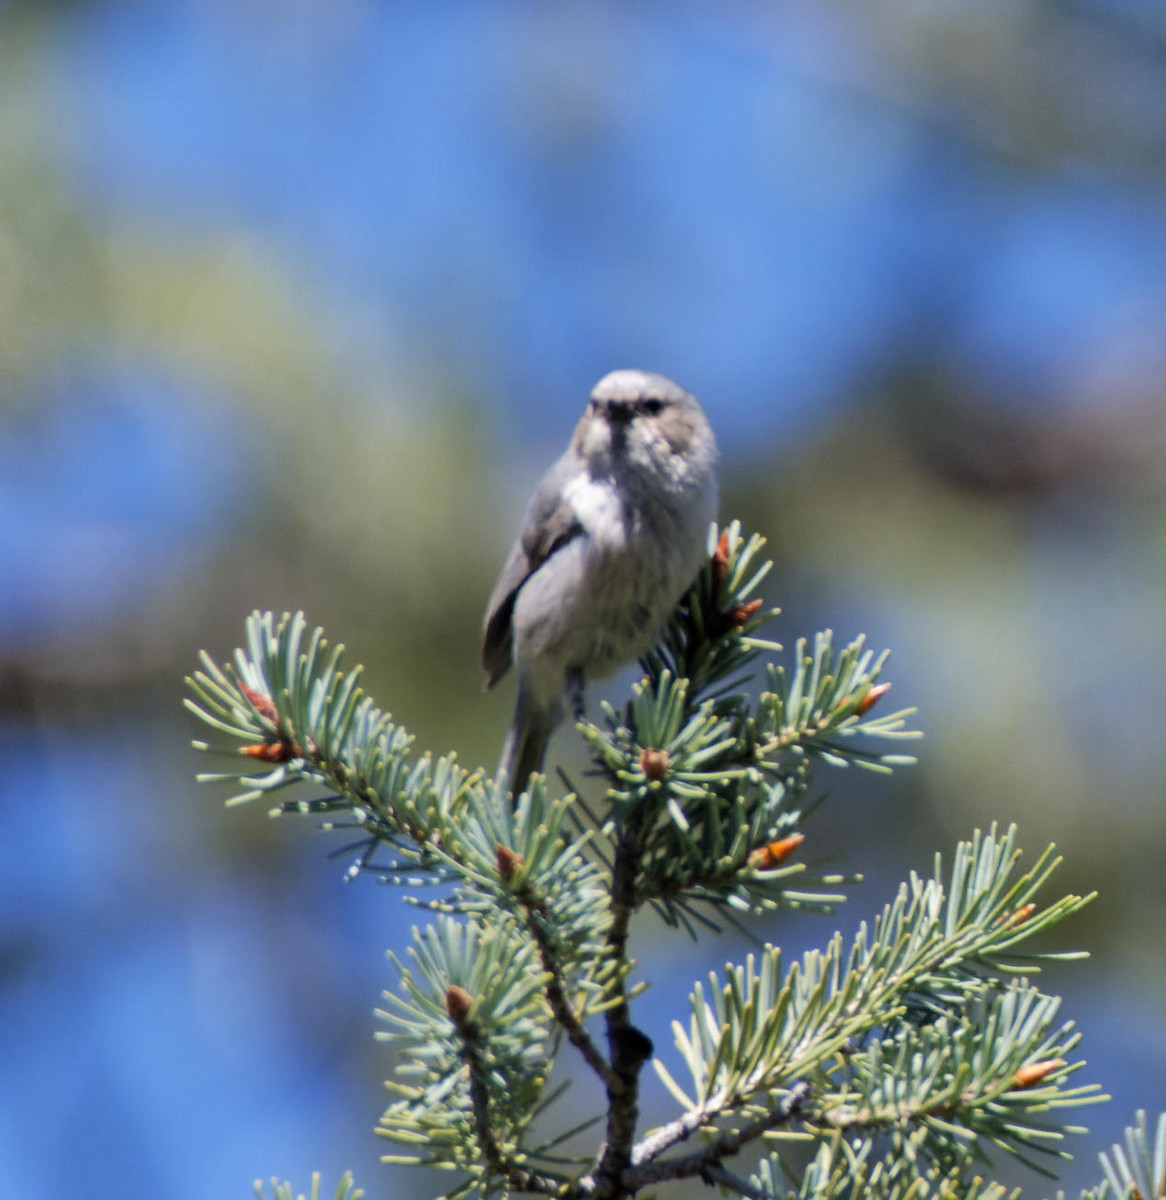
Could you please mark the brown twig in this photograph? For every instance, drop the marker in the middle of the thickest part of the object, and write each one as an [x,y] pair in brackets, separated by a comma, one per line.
[628,1049]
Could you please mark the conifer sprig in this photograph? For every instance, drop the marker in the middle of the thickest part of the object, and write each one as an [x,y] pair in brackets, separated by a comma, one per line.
[905,1056]
[704,780]
[471,1023]
[1137,1169]
[847,1022]
[346,1189]
[854,1168]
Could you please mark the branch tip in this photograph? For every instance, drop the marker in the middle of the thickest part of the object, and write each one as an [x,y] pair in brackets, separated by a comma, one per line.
[262,703]
[872,697]
[654,764]
[1019,916]
[273,752]
[507,861]
[765,858]
[1032,1073]
[720,559]
[458,1003]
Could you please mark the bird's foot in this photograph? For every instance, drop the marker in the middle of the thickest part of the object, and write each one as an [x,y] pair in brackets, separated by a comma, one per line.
[574,694]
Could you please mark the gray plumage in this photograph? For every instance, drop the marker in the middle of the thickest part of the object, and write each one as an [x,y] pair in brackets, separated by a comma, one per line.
[612,538]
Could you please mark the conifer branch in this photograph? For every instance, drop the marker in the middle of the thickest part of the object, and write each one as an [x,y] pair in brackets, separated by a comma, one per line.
[720,1176]
[520,1178]
[628,1048]
[1137,1169]
[651,1168]
[561,1007]
[922,1035]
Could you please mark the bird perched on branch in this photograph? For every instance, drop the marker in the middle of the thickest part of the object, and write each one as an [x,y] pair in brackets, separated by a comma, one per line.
[612,538]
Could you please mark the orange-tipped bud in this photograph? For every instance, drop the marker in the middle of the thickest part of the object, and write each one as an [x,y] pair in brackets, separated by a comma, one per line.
[458,1003]
[654,764]
[872,698]
[272,752]
[739,614]
[721,558]
[765,858]
[507,861]
[263,705]
[1020,915]
[1032,1073]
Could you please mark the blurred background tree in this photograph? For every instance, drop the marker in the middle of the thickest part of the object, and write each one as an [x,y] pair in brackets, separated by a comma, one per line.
[298,299]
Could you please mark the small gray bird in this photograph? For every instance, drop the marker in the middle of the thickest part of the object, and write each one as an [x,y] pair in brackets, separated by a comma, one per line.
[611,540]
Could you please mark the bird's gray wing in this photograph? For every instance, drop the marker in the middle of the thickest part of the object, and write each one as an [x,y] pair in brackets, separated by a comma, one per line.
[550,523]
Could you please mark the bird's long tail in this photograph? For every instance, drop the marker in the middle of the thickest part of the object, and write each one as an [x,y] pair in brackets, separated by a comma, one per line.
[525,747]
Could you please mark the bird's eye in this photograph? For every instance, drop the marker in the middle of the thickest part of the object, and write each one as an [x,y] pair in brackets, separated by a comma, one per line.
[651,408]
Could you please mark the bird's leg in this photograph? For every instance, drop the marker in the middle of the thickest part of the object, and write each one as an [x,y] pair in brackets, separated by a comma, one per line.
[574,693]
